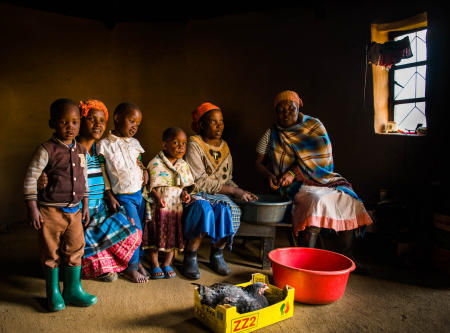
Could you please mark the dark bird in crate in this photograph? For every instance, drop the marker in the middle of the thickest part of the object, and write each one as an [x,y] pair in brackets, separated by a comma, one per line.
[245,299]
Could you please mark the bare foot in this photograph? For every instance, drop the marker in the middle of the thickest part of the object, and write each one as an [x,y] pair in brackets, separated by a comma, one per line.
[134,276]
[107,277]
[143,271]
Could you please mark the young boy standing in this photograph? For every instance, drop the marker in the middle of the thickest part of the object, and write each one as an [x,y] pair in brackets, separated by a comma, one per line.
[55,210]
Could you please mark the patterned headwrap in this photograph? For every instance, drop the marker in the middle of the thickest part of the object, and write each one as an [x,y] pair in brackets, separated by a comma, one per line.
[199,112]
[288,95]
[86,106]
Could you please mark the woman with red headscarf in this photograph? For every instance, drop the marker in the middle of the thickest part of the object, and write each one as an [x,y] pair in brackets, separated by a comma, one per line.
[213,213]
[111,238]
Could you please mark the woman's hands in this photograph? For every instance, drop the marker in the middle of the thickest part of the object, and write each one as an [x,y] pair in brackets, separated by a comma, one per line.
[244,195]
[286,179]
[185,197]
[42,181]
[273,182]
[115,205]
[238,193]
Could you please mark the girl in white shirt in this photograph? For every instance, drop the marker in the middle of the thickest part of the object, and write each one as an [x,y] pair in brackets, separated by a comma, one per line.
[122,166]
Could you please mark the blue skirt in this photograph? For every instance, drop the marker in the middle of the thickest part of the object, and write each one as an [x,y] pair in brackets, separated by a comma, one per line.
[214,214]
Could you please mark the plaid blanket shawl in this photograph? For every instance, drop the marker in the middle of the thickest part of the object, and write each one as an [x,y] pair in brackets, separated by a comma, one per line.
[308,145]
[105,230]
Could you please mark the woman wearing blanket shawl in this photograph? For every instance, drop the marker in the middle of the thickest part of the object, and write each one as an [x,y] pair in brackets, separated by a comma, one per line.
[212,213]
[300,165]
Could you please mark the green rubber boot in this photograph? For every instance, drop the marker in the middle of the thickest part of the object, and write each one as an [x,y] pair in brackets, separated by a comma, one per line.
[73,293]
[54,299]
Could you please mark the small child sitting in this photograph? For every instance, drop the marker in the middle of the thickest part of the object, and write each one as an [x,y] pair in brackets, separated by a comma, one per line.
[170,183]
[125,175]
[55,210]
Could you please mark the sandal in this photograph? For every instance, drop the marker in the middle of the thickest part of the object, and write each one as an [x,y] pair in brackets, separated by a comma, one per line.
[157,273]
[169,272]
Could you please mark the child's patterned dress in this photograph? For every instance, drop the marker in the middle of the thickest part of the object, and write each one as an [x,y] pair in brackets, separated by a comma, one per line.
[164,230]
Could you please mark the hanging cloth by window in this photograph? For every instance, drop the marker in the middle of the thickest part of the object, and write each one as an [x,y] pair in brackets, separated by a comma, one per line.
[389,53]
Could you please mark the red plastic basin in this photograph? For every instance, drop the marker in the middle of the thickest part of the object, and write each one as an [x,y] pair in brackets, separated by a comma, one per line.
[318,276]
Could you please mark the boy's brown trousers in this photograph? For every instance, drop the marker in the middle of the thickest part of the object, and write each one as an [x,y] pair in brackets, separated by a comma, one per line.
[61,237]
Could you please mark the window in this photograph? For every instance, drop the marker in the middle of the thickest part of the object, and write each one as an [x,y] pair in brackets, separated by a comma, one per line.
[399,93]
[407,79]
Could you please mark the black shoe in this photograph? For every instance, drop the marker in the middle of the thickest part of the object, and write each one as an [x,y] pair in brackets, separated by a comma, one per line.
[218,264]
[190,265]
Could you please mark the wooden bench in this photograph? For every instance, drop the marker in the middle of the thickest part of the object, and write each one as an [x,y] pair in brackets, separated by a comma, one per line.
[267,233]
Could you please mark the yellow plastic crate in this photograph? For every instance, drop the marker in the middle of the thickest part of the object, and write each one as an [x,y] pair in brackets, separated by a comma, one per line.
[226,319]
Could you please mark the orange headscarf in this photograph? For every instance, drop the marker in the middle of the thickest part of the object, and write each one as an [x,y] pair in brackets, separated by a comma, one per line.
[199,112]
[86,106]
[288,95]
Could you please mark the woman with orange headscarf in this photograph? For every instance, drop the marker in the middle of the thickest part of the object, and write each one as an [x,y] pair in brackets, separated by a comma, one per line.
[111,238]
[300,165]
[213,213]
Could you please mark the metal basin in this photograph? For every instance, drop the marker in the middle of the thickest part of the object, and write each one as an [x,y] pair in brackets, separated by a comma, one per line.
[267,209]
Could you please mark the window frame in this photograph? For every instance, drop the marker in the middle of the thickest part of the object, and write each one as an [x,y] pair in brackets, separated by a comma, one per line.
[391,82]
[380,75]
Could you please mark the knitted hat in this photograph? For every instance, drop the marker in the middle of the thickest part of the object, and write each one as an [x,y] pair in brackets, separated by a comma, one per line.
[288,95]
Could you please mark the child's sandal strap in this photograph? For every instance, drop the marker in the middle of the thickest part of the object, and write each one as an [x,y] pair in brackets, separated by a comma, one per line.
[169,272]
[157,273]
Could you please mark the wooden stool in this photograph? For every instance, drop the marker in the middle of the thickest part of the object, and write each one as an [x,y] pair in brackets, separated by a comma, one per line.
[267,233]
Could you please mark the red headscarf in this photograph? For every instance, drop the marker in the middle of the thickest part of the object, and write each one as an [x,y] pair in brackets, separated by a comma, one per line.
[288,95]
[86,106]
[199,112]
